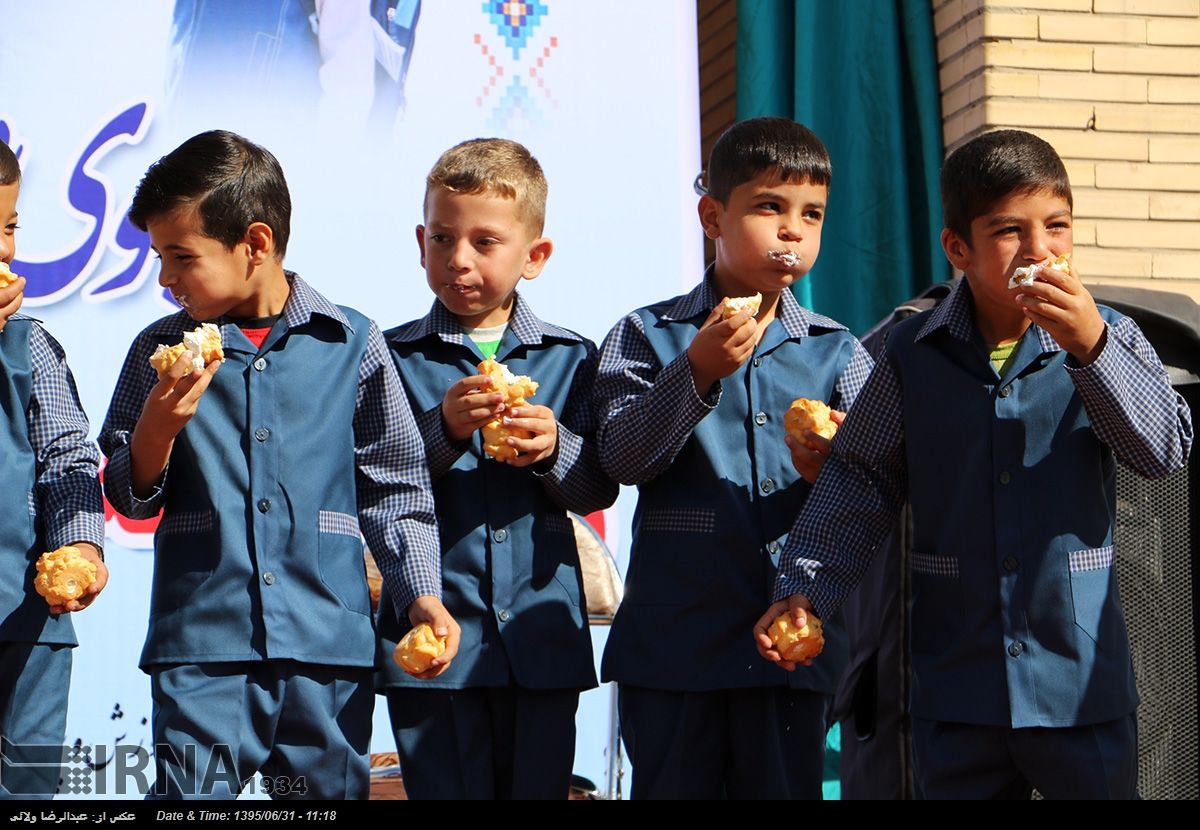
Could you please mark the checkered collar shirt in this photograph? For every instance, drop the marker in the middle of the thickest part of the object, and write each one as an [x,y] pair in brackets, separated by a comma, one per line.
[797,321]
[524,325]
[956,315]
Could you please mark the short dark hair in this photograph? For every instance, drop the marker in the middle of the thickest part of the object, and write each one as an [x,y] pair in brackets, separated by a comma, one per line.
[988,168]
[10,168]
[231,180]
[756,145]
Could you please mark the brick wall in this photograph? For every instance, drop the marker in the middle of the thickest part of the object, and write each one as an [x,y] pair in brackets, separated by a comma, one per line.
[1114,85]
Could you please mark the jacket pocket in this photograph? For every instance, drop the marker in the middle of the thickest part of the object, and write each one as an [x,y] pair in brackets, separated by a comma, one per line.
[679,520]
[936,601]
[187,549]
[340,560]
[1091,587]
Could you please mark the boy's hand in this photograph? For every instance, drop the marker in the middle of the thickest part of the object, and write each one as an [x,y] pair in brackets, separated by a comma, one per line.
[1058,302]
[11,298]
[798,606]
[808,462]
[541,422]
[720,347]
[89,552]
[170,405]
[430,610]
[469,404]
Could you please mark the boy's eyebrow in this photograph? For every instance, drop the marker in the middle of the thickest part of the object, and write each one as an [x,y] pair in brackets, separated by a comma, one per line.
[771,194]
[1016,220]
[488,229]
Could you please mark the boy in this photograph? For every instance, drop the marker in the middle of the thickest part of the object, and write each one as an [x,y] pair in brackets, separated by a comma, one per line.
[692,411]
[1020,661]
[501,722]
[50,498]
[260,647]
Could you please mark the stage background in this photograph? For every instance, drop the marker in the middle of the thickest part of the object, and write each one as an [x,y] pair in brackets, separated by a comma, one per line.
[605,96]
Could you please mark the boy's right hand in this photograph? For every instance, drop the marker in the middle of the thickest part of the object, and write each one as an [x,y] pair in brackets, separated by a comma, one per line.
[720,347]
[430,610]
[798,606]
[173,400]
[170,405]
[468,405]
[11,298]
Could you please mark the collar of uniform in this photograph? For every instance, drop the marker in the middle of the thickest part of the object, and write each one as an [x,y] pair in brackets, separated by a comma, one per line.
[304,301]
[797,321]
[524,325]
[955,314]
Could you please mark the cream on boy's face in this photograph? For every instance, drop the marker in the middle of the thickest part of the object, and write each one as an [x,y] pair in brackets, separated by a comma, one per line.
[475,248]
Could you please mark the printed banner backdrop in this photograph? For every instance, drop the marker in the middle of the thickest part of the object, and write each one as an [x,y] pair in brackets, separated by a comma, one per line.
[356,98]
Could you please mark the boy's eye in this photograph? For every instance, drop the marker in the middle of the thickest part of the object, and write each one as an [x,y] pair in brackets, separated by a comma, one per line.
[486,242]
[438,237]
[772,207]
[814,215]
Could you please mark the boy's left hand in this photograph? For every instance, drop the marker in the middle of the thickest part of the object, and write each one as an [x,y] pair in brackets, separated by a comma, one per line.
[430,610]
[808,462]
[89,552]
[1058,302]
[541,422]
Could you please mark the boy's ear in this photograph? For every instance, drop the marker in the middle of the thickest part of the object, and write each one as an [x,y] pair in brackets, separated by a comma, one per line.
[957,249]
[710,210]
[261,240]
[421,242]
[539,251]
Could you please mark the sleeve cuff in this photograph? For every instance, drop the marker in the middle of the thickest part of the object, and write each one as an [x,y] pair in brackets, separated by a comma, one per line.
[118,486]
[566,453]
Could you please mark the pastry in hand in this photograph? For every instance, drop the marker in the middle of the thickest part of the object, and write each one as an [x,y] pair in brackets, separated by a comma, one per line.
[204,343]
[1026,276]
[7,277]
[805,416]
[418,648]
[730,306]
[63,575]
[515,388]
[793,643]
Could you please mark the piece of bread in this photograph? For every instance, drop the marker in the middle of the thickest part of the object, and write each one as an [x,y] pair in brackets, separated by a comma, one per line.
[515,388]
[796,644]
[732,305]
[204,343]
[418,648]
[7,277]
[808,415]
[1026,276]
[63,575]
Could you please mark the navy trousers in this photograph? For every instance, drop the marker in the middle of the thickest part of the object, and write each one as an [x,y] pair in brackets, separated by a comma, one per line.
[306,728]
[733,743]
[34,681]
[958,760]
[485,743]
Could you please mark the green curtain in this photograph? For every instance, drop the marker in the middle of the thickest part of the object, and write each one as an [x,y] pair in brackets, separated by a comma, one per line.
[862,74]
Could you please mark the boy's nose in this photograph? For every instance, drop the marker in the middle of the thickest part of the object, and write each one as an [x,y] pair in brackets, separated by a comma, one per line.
[460,259]
[164,278]
[1038,247]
